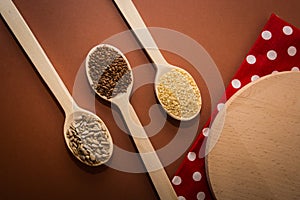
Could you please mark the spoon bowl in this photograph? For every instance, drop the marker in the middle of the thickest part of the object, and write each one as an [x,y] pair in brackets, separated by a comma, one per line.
[93,76]
[87,137]
[177,92]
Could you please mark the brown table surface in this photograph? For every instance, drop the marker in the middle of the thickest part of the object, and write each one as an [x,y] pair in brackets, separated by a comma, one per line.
[35,163]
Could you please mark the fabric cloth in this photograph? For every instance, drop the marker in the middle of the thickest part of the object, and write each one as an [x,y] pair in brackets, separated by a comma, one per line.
[276,49]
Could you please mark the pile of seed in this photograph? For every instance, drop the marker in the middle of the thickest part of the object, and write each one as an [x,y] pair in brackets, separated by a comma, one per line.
[179,94]
[88,139]
[109,72]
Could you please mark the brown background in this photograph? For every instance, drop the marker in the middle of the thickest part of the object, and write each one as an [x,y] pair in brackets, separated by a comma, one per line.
[35,163]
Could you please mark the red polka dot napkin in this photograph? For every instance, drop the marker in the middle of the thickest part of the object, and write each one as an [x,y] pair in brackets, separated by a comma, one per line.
[276,49]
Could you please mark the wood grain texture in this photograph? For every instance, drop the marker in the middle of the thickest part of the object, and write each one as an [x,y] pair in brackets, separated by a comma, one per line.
[257,155]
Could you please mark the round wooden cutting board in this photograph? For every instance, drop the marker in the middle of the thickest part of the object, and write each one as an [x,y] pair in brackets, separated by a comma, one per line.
[255,141]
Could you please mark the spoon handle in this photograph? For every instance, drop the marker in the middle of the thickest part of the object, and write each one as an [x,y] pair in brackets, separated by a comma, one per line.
[150,159]
[134,19]
[36,54]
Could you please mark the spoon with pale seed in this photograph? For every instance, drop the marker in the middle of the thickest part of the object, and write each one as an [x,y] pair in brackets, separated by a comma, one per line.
[85,134]
[110,76]
[175,88]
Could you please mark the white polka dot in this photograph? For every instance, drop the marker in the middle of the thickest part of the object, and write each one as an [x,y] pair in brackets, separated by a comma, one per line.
[200,196]
[176,180]
[292,51]
[181,198]
[251,59]
[295,69]
[236,83]
[220,106]
[197,176]
[205,132]
[254,77]
[266,35]
[272,55]
[274,72]
[287,30]
[191,156]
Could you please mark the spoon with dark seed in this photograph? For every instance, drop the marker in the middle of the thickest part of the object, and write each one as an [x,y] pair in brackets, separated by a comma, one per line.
[110,75]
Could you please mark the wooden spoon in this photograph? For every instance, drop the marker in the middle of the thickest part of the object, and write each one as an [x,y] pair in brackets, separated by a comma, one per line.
[147,152]
[189,108]
[45,68]
[256,137]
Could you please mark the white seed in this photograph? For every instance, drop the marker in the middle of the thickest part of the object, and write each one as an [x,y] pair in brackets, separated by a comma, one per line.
[96,142]
[84,136]
[85,132]
[104,142]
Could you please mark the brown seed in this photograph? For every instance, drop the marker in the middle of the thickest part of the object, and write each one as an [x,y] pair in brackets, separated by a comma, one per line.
[82,157]
[75,150]
[93,157]
[114,79]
